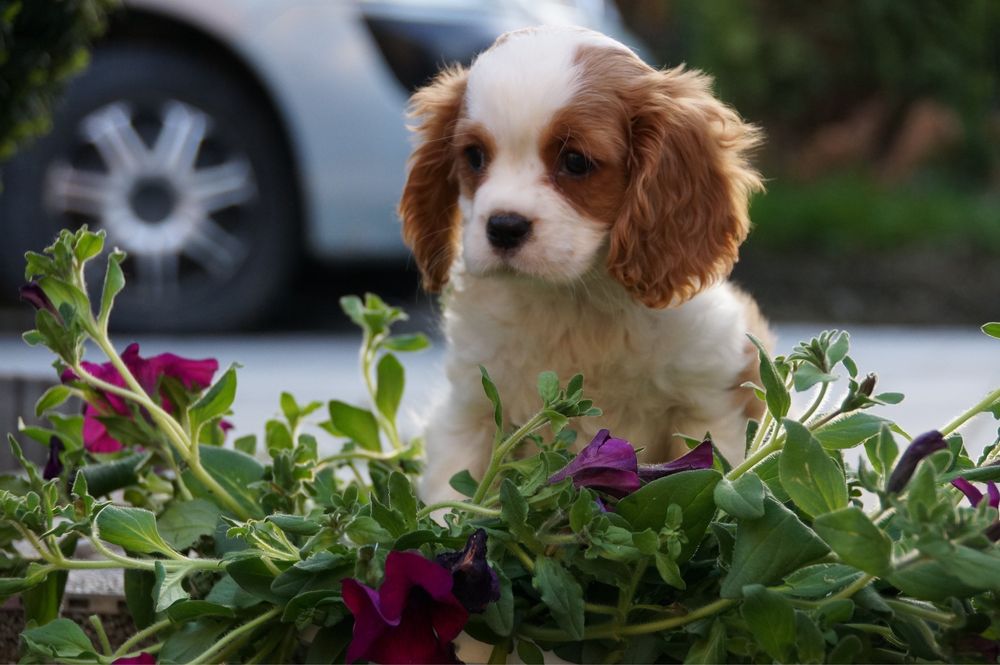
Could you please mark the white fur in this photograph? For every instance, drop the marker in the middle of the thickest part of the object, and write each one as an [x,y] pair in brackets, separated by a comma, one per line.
[550,305]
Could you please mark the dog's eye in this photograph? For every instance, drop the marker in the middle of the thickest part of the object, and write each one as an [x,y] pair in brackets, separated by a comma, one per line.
[576,163]
[475,157]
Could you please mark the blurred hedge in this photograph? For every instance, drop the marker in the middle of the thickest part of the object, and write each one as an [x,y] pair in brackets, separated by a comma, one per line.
[42,42]
[795,66]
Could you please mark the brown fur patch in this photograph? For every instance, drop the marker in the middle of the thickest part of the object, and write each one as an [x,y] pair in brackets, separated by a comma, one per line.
[428,206]
[684,212]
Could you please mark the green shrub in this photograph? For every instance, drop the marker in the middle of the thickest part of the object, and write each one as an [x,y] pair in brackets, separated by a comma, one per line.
[42,43]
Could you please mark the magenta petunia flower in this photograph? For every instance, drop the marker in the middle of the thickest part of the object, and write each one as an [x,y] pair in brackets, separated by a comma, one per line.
[606,464]
[475,584]
[699,457]
[193,375]
[919,448]
[143,658]
[974,495]
[412,618]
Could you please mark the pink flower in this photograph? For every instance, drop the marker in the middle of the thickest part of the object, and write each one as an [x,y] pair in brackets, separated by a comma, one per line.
[142,659]
[412,618]
[193,375]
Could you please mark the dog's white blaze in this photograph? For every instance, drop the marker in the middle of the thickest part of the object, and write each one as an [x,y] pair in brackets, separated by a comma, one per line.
[514,90]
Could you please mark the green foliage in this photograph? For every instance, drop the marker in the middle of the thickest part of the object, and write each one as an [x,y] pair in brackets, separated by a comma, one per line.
[42,44]
[232,557]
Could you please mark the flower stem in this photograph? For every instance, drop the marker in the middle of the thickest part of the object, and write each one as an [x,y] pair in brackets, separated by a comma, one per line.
[981,406]
[102,636]
[853,588]
[502,450]
[364,455]
[142,635]
[755,459]
[458,505]
[943,618]
[816,403]
[249,626]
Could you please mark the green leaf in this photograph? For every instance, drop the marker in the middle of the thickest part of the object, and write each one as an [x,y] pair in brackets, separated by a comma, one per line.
[41,601]
[401,498]
[254,577]
[742,498]
[499,615]
[762,555]
[217,400]
[277,437]
[183,523]
[88,245]
[692,491]
[168,588]
[57,640]
[356,424]
[562,593]
[710,649]
[820,579]
[529,653]
[139,598]
[193,609]
[814,481]
[413,342]
[107,477]
[979,569]
[777,397]
[235,471]
[850,430]
[855,540]
[227,592]
[669,571]
[493,395]
[391,378]
[114,282]
[846,651]
[191,640]
[807,376]
[463,483]
[51,398]
[992,329]
[930,580]
[514,511]
[771,619]
[246,444]
[548,386]
[133,529]
[809,642]
[366,531]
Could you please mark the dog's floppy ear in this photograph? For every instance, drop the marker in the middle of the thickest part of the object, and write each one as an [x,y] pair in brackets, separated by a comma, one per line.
[685,211]
[429,205]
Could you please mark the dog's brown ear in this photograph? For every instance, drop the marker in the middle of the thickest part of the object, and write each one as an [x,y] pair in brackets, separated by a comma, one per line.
[685,212]
[429,205]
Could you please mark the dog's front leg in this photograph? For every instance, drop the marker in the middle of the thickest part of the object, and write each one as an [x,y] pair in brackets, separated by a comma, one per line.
[459,436]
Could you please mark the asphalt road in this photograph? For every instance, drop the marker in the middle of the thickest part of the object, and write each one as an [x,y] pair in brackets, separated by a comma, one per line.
[942,371]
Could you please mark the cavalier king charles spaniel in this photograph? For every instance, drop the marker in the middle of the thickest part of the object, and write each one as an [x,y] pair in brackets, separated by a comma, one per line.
[581,212]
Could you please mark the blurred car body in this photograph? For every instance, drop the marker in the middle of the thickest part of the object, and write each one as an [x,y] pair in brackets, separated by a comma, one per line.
[220,142]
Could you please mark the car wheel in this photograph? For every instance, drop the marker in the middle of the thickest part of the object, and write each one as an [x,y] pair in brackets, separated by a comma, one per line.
[180,163]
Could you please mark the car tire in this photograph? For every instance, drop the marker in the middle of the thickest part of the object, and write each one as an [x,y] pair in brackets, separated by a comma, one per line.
[180,162]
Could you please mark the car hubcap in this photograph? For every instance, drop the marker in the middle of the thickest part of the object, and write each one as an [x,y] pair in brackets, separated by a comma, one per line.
[155,195]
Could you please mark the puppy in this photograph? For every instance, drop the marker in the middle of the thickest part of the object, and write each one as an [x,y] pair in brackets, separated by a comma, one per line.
[584,211]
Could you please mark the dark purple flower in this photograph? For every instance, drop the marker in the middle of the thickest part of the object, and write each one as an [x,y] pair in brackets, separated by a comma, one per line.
[193,375]
[143,658]
[53,467]
[986,649]
[412,618]
[606,464]
[475,584]
[919,448]
[699,457]
[975,497]
[33,294]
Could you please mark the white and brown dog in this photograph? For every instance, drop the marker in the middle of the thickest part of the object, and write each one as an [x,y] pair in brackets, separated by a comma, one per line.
[585,211]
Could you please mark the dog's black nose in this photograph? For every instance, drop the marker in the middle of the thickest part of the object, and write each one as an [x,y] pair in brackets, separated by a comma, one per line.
[508,230]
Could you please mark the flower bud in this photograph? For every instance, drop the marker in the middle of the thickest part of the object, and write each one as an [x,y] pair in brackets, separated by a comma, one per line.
[919,448]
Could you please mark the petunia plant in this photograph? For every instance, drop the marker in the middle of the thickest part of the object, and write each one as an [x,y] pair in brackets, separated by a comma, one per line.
[308,543]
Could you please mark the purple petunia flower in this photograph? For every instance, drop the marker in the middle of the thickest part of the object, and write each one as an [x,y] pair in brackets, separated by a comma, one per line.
[606,464]
[975,497]
[53,466]
[919,448]
[33,294]
[475,584]
[699,457]
[193,375]
[412,618]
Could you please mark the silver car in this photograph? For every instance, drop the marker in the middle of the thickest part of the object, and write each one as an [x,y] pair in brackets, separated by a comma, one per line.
[221,142]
